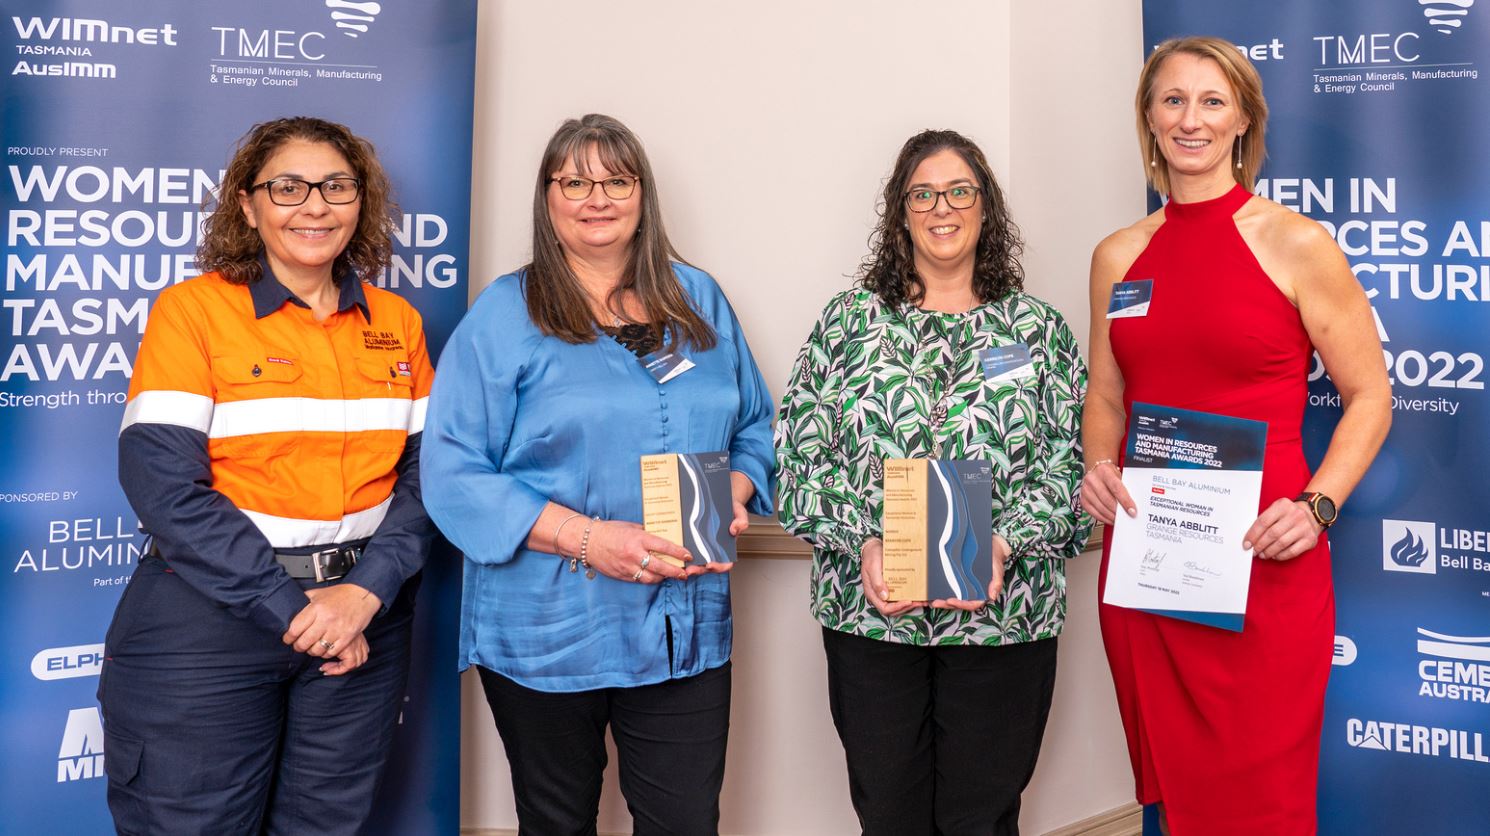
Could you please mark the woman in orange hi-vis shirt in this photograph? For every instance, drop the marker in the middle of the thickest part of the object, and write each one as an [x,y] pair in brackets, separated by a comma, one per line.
[256,664]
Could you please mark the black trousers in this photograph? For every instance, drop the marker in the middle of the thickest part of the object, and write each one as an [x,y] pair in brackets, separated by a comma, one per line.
[670,744]
[939,740]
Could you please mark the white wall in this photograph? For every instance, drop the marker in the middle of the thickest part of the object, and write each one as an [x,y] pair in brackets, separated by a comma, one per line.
[771,126]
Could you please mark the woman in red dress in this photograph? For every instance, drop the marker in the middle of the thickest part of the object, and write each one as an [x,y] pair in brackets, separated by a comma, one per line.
[1223,728]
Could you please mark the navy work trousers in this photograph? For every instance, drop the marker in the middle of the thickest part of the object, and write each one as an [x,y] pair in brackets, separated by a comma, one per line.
[670,743]
[213,725]
[939,740]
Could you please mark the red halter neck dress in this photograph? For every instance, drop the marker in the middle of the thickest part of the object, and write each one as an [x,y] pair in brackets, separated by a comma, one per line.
[1224,727]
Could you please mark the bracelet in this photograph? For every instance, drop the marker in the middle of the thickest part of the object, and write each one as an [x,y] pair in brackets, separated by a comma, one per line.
[1099,463]
[584,549]
[560,530]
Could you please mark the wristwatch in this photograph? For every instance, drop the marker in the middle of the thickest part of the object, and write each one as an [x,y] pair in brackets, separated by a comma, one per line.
[1322,507]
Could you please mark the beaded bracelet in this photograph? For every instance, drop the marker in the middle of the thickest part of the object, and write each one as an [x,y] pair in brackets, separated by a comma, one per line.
[584,550]
[1099,463]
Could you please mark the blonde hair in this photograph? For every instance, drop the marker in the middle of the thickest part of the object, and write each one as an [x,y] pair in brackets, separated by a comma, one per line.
[1245,83]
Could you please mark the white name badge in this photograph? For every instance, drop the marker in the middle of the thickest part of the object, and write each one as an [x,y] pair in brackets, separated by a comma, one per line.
[1130,299]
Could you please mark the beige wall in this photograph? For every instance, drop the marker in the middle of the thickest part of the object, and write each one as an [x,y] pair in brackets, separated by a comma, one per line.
[771,126]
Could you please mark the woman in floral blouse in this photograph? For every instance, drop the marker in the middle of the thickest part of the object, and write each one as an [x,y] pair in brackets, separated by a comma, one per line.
[940,705]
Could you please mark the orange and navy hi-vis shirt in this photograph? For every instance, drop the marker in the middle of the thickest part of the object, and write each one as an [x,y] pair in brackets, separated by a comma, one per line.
[252,428]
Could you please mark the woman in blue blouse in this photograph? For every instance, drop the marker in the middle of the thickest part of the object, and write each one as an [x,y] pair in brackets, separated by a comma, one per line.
[541,411]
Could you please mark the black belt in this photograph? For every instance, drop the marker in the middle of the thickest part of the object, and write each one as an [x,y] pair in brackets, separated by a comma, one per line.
[324,565]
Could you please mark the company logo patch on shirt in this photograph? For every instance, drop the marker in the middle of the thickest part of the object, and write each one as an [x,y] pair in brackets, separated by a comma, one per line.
[280,360]
[381,341]
[403,369]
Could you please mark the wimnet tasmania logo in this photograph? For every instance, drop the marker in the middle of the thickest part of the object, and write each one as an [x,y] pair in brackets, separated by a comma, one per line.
[1446,16]
[353,18]
[1407,546]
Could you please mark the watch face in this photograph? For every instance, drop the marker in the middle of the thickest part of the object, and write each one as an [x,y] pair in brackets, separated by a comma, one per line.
[1325,508]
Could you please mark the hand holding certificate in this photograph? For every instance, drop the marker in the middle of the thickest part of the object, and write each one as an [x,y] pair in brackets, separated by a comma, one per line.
[1196,479]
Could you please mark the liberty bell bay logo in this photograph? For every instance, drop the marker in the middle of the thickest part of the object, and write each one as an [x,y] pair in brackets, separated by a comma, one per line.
[1446,16]
[81,755]
[352,17]
[1408,546]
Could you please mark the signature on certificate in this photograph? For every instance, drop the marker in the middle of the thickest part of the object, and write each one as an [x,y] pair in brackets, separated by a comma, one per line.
[1152,560]
[1202,569]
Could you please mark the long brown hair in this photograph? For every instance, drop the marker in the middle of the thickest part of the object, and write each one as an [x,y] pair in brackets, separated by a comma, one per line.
[231,247]
[890,268]
[557,303]
[1244,81]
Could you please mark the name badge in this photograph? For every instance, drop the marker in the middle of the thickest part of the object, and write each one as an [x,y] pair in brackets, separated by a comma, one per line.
[1130,299]
[1006,363]
[664,365]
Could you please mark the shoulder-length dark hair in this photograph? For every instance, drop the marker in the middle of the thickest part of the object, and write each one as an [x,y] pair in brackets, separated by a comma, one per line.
[890,269]
[557,303]
[231,247]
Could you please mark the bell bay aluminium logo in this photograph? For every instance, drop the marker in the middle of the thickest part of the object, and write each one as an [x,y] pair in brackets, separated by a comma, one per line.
[1446,16]
[352,18]
[1408,546]
[81,755]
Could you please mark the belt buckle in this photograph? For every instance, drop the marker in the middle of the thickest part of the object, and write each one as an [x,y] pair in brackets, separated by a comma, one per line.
[318,563]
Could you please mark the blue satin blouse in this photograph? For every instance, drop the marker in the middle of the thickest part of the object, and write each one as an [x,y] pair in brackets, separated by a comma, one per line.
[517,419]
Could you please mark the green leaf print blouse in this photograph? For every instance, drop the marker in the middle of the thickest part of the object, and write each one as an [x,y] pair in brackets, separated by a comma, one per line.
[878,382]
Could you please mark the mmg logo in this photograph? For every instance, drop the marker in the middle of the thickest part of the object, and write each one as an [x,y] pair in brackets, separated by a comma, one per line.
[81,754]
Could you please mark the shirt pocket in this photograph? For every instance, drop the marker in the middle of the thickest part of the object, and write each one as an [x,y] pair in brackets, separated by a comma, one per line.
[381,412]
[259,410]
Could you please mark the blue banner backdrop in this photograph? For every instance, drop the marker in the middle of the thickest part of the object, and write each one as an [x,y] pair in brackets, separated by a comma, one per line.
[1377,130]
[117,120]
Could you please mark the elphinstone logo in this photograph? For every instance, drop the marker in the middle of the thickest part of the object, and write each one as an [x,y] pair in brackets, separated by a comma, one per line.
[1408,546]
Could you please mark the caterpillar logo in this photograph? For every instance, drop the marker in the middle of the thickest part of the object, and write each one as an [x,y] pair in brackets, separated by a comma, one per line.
[81,754]
[1446,16]
[351,17]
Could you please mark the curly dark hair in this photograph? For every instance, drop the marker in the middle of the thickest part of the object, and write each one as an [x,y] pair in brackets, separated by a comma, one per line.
[890,270]
[231,247]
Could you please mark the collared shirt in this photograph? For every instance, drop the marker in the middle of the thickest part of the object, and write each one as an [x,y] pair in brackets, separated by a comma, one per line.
[518,419]
[876,382]
[252,428]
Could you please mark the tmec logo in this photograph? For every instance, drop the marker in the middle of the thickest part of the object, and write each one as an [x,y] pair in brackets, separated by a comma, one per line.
[1408,546]
[352,18]
[1446,15]
[81,754]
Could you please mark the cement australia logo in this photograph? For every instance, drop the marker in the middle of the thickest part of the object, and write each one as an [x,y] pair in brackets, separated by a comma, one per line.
[1446,16]
[1454,668]
[1407,546]
[352,18]
[81,754]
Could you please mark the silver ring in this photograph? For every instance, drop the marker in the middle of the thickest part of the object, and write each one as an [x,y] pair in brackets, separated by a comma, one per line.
[638,575]
[646,558]
[327,645]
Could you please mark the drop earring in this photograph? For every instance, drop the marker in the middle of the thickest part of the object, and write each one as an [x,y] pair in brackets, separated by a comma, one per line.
[1238,150]
[1154,157]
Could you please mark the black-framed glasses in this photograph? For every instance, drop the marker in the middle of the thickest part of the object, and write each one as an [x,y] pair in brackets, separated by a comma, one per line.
[958,197]
[290,191]
[616,186]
